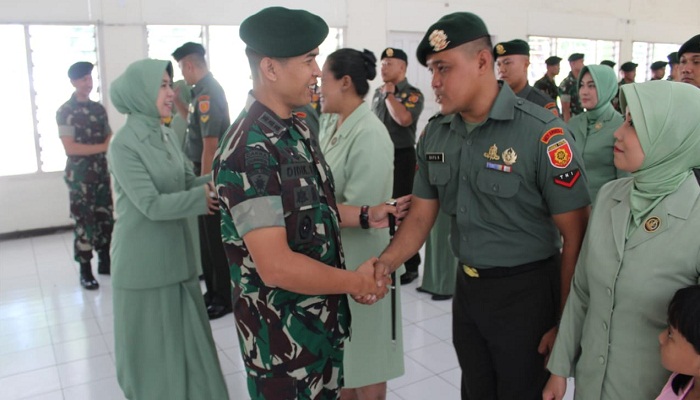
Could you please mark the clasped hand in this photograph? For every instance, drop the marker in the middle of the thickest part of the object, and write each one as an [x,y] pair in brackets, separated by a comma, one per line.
[376,281]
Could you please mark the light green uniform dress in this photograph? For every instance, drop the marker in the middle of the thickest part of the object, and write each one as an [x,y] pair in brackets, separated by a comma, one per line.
[593,130]
[641,247]
[163,343]
[361,156]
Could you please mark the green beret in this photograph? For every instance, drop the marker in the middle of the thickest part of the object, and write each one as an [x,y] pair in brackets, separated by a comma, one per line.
[629,66]
[576,57]
[450,31]
[187,49]
[553,60]
[658,65]
[691,46]
[391,52]
[673,58]
[515,46]
[281,32]
[80,69]
[609,63]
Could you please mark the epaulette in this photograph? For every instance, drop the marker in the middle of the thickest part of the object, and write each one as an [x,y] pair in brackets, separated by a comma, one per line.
[535,110]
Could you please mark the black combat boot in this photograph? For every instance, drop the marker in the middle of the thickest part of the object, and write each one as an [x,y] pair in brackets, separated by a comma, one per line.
[87,280]
[104,265]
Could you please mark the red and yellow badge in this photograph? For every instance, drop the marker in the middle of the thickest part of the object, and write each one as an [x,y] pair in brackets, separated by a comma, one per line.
[560,154]
[203,104]
[413,98]
[550,134]
[300,114]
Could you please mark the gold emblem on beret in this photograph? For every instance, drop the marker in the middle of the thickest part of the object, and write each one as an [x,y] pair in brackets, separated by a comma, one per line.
[500,50]
[492,154]
[389,52]
[438,39]
[652,224]
[509,156]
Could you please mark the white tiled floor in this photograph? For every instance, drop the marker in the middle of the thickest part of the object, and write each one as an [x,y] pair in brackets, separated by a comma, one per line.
[57,342]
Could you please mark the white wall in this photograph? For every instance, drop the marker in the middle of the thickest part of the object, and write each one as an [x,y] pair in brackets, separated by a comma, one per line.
[41,200]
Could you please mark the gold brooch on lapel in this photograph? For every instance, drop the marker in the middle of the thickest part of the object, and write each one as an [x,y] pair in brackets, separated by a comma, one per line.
[652,224]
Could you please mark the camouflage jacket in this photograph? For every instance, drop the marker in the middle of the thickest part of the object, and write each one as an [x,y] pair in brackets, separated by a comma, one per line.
[87,123]
[270,172]
[568,91]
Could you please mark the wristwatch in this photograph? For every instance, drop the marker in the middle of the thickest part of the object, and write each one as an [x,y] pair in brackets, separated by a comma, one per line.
[364,217]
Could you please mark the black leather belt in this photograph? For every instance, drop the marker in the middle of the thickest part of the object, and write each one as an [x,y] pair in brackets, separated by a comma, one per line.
[502,272]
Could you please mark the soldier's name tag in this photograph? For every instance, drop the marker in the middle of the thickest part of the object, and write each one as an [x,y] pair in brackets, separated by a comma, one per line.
[435,157]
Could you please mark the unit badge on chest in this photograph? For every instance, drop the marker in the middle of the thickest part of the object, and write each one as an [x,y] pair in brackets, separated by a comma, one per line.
[492,154]
[509,156]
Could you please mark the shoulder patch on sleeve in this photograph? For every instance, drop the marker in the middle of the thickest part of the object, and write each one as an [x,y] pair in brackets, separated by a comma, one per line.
[550,134]
[560,154]
[203,104]
[568,179]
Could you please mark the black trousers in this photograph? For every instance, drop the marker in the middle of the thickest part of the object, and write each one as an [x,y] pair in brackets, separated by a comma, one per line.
[497,326]
[404,170]
[217,277]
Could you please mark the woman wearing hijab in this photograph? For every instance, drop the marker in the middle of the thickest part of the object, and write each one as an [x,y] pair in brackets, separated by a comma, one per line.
[163,343]
[360,153]
[640,248]
[593,129]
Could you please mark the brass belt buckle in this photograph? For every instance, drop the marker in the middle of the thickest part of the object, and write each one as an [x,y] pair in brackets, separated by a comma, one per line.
[470,271]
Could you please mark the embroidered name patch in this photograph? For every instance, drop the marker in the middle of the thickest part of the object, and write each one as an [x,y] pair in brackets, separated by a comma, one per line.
[296,171]
[435,157]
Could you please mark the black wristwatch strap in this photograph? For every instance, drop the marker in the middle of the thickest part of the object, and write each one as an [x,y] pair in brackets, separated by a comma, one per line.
[364,217]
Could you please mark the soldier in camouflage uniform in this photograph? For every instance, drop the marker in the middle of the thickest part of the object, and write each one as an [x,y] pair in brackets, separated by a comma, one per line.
[281,223]
[85,133]
[546,83]
[568,89]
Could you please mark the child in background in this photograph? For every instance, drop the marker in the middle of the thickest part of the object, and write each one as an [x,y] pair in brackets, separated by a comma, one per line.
[680,346]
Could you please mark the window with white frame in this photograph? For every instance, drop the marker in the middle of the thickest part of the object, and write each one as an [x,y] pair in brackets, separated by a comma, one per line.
[225,54]
[542,47]
[39,85]
[644,54]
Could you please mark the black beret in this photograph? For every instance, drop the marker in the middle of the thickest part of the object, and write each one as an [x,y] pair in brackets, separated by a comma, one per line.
[673,58]
[281,32]
[516,46]
[391,52]
[450,31]
[658,65]
[553,60]
[187,49]
[609,63]
[576,57]
[629,66]
[691,46]
[80,69]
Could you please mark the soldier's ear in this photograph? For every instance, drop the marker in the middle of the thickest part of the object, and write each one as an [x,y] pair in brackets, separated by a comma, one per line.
[268,68]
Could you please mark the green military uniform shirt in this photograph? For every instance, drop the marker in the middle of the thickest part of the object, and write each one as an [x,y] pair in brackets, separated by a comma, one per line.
[568,91]
[207,117]
[412,98]
[616,100]
[548,86]
[502,182]
[271,173]
[538,97]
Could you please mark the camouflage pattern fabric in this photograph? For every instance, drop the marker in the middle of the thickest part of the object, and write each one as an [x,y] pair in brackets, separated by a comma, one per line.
[87,178]
[270,172]
[548,87]
[568,88]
